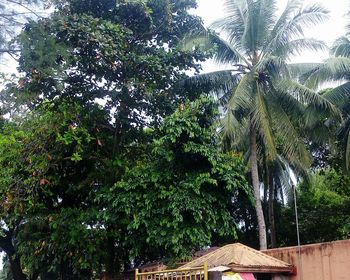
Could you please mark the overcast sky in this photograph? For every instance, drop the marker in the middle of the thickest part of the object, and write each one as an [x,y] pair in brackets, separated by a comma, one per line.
[210,10]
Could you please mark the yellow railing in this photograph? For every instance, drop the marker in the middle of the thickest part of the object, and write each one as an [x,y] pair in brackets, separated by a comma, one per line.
[198,273]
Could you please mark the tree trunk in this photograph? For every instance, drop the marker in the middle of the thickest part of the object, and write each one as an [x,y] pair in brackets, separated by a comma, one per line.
[256,189]
[272,211]
[16,268]
[266,182]
[15,263]
[111,266]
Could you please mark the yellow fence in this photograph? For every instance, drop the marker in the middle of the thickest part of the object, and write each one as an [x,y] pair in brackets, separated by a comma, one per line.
[198,273]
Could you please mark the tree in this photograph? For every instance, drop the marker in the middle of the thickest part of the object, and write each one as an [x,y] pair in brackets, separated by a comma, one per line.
[336,68]
[50,163]
[264,104]
[178,197]
[53,171]
[126,47]
[95,82]
[323,208]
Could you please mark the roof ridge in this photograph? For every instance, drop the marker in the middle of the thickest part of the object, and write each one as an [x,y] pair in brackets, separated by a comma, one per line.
[204,256]
[263,254]
[217,253]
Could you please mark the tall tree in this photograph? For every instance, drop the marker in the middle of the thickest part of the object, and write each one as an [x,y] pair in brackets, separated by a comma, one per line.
[262,102]
[95,83]
[335,69]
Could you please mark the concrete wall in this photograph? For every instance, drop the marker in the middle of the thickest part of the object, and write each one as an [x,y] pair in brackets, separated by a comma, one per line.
[323,261]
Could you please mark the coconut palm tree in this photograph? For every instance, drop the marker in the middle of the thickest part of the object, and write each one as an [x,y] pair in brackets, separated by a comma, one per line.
[263,105]
[336,69]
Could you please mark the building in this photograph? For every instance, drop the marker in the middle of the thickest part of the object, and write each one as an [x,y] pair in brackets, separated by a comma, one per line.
[238,258]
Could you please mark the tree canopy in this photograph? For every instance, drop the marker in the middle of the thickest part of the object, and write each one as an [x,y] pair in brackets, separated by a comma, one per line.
[98,107]
[117,150]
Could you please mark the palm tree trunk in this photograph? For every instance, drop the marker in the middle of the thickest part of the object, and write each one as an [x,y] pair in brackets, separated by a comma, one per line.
[266,181]
[272,211]
[256,189]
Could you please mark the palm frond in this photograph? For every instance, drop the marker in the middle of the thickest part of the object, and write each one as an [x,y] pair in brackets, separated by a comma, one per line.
[290,9]
[260,19]
[341,47]
[335,68]
[262,121]
[296,47]
[243,95]
[232,132]
[228,130]
[312,118]
[221,83]
[284,171]
[282,176]
[293,149]
[310,16]
[296,70]
[319,127]
[275,66]
[225,53]
[307,96]
[288,103]
[339,95]
[291,29]
[234,21]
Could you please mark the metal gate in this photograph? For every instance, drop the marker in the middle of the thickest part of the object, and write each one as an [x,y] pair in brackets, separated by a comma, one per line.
[198,273]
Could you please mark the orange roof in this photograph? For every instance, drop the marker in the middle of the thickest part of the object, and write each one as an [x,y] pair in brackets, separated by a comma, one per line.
[241,258]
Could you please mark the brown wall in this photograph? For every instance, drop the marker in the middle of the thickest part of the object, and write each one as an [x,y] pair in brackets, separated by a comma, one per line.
[323,261]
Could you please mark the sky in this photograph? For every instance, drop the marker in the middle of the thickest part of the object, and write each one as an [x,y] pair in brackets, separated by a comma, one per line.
[210,10]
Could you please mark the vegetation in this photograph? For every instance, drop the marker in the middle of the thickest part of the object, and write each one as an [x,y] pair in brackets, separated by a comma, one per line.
[323,206]
[264,104]
[113,155]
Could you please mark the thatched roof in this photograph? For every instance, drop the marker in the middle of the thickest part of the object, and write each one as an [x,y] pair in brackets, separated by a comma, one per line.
[240,258]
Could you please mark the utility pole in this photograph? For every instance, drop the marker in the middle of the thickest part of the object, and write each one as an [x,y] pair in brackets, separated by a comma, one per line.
[300,273]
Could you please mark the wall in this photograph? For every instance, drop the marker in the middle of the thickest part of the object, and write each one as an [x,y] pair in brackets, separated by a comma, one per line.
[323,261]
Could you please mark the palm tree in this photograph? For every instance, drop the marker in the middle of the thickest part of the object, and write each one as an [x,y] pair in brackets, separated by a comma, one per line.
[336,69]
[264,107]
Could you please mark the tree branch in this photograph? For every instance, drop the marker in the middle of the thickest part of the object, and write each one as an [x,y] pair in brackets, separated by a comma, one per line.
[24,6]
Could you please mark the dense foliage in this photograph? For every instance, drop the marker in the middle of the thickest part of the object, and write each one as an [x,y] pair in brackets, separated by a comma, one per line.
[115,150]
[59,211]
[323,205]
[183,192]
[90,118]
[51,163]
